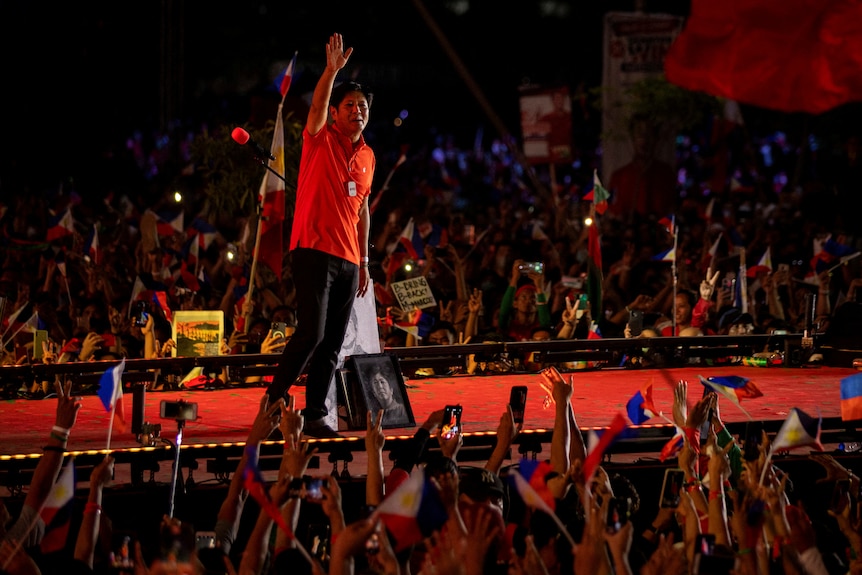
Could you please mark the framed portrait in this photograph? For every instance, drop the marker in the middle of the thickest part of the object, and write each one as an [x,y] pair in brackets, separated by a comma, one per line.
[197,333]
[374,382]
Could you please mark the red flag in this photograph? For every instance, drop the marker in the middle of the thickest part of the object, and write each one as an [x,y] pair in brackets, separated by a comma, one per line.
[254,484]
[672,447]
[61,226]
[787,55]
[270,239]
[597,451]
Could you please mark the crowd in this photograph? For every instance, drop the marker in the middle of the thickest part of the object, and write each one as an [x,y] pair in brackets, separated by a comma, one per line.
[510,253]
[734,510]
[761,255]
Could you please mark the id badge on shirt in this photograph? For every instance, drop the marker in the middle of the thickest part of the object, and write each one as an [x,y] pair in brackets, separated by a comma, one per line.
[350,187]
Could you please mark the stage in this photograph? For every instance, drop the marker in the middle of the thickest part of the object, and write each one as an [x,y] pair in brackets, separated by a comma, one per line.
[224,415]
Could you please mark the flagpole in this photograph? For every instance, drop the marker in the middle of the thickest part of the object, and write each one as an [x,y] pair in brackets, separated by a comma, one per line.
[401,159]
[111,419]
[256,252]
[674,273]
[68,291]
[17,331]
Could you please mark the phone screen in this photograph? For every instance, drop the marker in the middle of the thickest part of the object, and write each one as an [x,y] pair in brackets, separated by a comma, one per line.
[671,488]
[451,425]
[518,401]
[313,487]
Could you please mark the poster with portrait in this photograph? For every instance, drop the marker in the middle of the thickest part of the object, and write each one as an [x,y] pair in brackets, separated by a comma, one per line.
[197,333]
[373,382]
[360,337]
[546,125]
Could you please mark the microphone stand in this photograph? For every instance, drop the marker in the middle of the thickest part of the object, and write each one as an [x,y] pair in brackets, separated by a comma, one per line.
[175,474]
[265,163]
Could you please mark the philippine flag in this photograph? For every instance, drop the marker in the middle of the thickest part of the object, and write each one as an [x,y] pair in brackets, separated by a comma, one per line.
[531,484]
[798,430]
[600,444]
[56,512]
[413,511]
[111,394]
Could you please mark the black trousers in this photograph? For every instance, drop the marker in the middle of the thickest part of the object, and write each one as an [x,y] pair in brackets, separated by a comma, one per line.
[325,291]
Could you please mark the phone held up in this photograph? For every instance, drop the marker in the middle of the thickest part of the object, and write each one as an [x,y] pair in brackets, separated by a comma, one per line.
[312,488]
[619,509]
[534,267]
[636,322]
[451,424]
[518,402]
[708,559]
[138,313]
[671,488]
[178,410]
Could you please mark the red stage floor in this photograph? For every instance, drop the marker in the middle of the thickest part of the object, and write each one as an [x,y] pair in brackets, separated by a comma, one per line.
[224,415]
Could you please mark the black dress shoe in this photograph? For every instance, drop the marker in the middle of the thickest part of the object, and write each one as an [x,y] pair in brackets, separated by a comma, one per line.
[320,431]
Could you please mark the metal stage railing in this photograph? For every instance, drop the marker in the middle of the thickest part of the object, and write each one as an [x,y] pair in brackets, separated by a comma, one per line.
[667,350]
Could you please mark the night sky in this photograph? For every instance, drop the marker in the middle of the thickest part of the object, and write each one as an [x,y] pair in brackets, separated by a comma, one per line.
[81,77]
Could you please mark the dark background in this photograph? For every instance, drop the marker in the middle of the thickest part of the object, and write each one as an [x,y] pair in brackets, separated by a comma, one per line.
[82,77]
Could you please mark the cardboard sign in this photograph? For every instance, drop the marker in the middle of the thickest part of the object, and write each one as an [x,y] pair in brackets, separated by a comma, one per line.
[414,293]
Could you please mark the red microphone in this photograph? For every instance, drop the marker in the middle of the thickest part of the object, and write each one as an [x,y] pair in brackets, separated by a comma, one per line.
[242,138]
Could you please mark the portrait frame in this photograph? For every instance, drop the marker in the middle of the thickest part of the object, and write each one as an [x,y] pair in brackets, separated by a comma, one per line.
[197,333]
[358,389]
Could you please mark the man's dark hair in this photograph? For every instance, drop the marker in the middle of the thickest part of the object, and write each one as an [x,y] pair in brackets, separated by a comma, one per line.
[341,91]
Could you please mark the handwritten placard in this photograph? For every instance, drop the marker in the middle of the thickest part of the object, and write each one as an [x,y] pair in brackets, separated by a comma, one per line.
[414,293]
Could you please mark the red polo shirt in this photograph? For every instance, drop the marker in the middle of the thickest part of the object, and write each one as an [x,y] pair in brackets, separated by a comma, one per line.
[326,215]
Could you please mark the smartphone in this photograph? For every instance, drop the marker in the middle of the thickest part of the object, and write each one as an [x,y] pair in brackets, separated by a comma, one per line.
[527,267]
[704,544]
[518,402]
[205,540]
[572,282]
[704,428]
[671,488]
[139,313]
[279,327]
[636,322]
[451,425]
[179,410]
[40,336]
[618,513]
[109,339]
[312,487]
[708,560]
